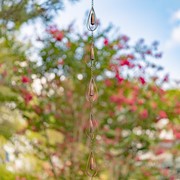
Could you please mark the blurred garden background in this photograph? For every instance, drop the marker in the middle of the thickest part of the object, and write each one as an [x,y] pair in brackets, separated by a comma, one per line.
[44,73]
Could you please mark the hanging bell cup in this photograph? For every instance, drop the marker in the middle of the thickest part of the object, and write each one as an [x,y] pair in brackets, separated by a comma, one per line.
[92,128]
[92,52]
[92,93]
[91,168]
[92,21]
[92,164]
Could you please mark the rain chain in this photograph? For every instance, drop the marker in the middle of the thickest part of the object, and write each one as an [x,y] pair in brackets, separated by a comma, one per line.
[91,96]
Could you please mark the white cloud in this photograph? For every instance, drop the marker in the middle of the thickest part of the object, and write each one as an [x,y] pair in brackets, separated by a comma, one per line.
[175,34]
[174,39]
[176,15]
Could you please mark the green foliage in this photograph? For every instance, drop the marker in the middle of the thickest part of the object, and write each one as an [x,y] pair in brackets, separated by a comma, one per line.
[15,13]
[6,175]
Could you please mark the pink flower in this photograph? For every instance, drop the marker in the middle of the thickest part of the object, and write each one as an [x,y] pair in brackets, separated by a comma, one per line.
[142,80]
[125,63]
[108,82]
[141,101]
[60,62]
[120,46]
[149,52]
[106,42]
[139,66]
[119,78]
[25,79]
[125,38]
[57,34]
[147,174]
[27,97]
[172,178]
[159,151]
[153,105]
[166,78]
[158,55]
[177,135]
[131,56]
[144,114]
[137,158]
[133,108]
[130,101]
[162,114]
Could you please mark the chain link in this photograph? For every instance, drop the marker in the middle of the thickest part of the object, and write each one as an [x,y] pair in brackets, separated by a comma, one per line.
[91,169]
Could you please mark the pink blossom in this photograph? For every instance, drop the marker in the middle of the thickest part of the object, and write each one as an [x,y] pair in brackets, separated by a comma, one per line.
[144,114]
[106,42]
[130,56]
[133,108]
[141,101]
[57,34]
[162,114]
[60,62]
[177,135]
[108,82]
[125,38]
[159,151]
[125,63]
[119,78]
[149,52]
[27,96]
[25,79]
[166,78]
[142,80]
[172,178]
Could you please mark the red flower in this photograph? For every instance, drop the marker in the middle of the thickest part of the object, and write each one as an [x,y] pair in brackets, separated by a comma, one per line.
[159,151]
[153,105]
[166,78]
[106,42]
[130,101]
[25,79]
[125,63]
[139,66]
[57,34]
[108,82]
[133,108]
[144,114]
[142,80]
[162,114]
[125,38]
[60,62]
[27,97]
[172,178]
[177,135]
[120,46]
[137,158]
[149,52]
[140,101]
[158,55]
[147,173]
[119,78]
[131,56]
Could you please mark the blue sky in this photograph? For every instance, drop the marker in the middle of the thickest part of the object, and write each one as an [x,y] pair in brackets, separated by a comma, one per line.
[148,19]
